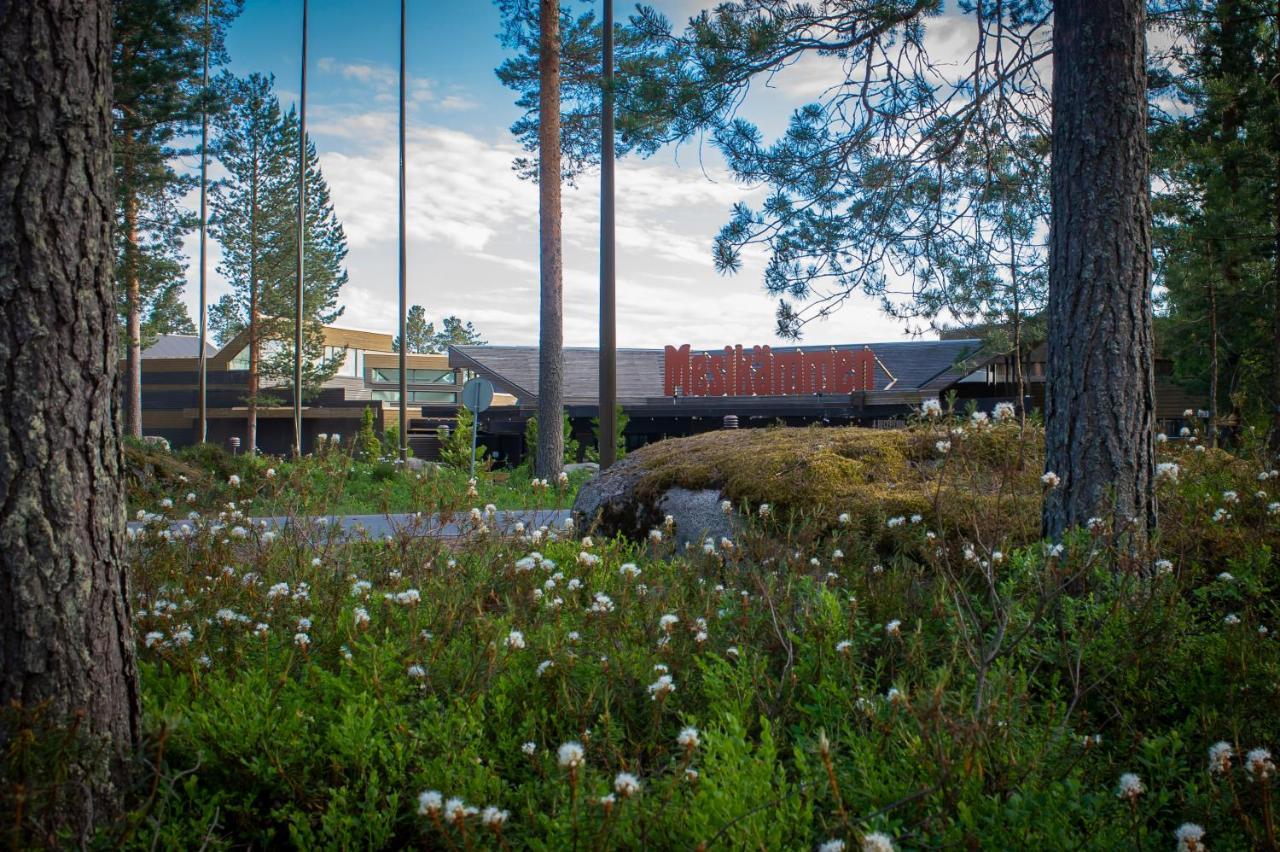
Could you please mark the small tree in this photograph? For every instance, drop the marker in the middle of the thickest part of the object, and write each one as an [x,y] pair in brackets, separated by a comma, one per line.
[455,450]
[368,447]
[621,418]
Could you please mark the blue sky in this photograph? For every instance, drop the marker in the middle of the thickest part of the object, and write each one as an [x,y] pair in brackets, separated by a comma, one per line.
[472,224]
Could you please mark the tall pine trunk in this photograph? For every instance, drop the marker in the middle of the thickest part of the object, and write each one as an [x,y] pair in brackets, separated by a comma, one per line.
[133,355]
[65,636]
[550,454]
[1099,401]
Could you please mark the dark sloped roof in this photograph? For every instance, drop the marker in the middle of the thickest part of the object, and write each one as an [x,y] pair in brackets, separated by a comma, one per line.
[178,346]
[916,365]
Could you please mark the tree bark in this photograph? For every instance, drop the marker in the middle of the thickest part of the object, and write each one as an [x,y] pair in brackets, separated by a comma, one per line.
[550,456]
[133,355]
[65,635]
[1099,401]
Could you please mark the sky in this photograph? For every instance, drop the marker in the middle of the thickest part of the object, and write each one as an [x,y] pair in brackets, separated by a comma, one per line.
[472,223]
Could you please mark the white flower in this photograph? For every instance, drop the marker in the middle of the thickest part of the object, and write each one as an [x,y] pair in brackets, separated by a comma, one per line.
[626,784]
[877,842]
[601,603]
[668,621]
[1004,411]
[655,536]
[456,810]
[571,755]
[894,628]
[1220,754]
[1163,566]
[302,640]
[429,802]
[1190,837]
[262,629]
[183,636]
[360,616]
[1231,620]
[662,687]
[832,846]
[978,418]
[1162,438]
[1184,432]
[1167,470]
[279,590]
[152,638]
[408,597]
[726,506]
[1130,787]
[530,748]
[543,666]
[629,570]
[271,473]
[895,522]
[1230,497]
[765,510]
[844,646]
[1273,508]
[304,624]
[943,447]
[515,640]
[1051,479]
[416,672]
[1259,764]
[233,481]
[493,817]
[688,738]
[1226,577]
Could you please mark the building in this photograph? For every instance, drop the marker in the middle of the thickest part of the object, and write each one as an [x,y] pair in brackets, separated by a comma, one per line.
[369,377]
[665,392]
[681,391]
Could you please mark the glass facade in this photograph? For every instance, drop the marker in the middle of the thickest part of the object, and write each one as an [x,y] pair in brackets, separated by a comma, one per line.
[352,365]
[417,396]
[391,376]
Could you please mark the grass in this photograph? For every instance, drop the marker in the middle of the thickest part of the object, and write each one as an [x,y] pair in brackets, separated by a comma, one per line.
[814,681]
[331,482]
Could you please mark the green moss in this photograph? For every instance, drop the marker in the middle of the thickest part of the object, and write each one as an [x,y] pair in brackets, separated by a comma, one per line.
[870,473]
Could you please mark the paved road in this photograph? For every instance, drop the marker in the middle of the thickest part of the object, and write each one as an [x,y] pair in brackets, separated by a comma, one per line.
[380,526]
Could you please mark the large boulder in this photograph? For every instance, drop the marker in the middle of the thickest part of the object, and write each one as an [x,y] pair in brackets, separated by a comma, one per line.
[820,473]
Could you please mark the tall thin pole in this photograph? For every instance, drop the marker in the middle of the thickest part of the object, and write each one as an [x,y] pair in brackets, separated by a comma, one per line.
[204,219]
[608,319]
[302,239]
[404,341]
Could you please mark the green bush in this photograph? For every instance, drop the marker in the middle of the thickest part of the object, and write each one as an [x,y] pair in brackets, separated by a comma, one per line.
[946,690]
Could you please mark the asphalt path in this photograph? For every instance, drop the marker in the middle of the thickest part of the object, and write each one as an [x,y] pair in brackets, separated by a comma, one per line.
[381,526]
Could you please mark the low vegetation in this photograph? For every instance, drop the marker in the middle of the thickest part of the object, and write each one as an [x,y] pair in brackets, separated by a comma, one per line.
[332,481]
[860,678]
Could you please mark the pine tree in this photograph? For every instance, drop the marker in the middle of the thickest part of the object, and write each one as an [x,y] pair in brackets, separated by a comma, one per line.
[255,212]
[454,332]
[156,64]
[325,253]
[66,638]
[419,330]
[250,214]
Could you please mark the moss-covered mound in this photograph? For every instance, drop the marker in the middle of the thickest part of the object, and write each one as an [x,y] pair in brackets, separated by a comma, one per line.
[971,478]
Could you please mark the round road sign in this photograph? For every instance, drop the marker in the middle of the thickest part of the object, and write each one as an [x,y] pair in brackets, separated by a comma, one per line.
[477,394]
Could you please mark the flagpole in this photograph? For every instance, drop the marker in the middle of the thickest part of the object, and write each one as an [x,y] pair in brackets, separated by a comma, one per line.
[302,239]
[404,342]
[204,220]
[608,395]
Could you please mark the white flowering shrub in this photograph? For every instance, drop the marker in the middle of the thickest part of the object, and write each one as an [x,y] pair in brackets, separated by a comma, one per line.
[946,681]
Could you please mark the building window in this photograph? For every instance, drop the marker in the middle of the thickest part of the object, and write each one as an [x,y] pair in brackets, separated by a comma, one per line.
[417,396]
[391,376]
[241,360]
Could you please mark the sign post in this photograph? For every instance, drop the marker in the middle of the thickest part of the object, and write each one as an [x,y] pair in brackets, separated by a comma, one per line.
[477,396]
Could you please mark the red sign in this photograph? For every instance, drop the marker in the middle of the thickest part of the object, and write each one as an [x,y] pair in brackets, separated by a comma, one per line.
[759,371]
